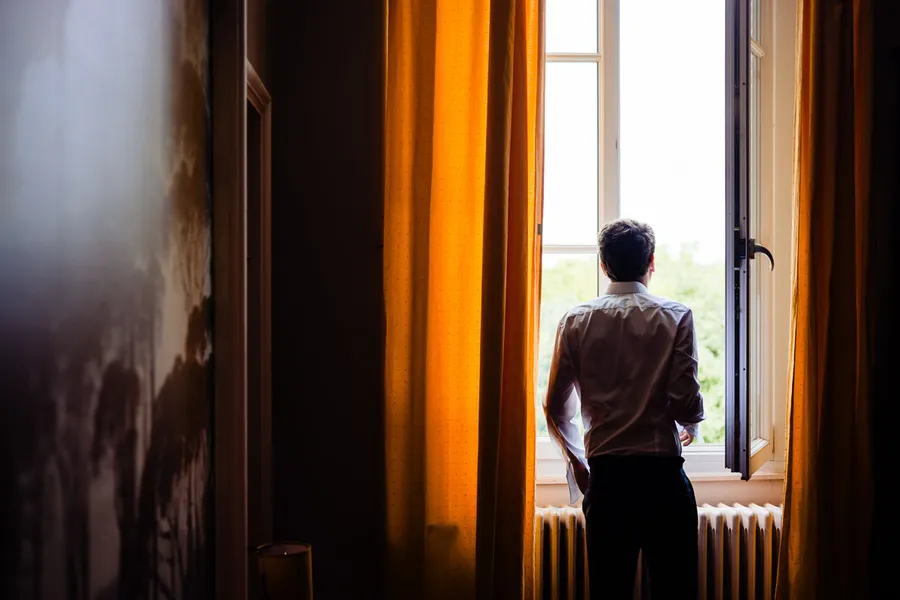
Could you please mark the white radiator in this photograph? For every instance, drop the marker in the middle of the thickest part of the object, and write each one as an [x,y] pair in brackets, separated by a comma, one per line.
[738,548]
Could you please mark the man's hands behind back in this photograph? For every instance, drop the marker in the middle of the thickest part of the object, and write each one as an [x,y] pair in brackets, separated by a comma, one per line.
[582,475]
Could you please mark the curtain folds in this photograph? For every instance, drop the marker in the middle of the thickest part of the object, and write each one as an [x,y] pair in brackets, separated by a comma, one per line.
[463,145]
[828,488]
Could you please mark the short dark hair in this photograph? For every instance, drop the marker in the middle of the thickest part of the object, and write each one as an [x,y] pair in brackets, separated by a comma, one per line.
[626,247]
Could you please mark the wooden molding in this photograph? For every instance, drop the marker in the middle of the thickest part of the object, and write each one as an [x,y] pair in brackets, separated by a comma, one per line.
[256,91]
[229,297]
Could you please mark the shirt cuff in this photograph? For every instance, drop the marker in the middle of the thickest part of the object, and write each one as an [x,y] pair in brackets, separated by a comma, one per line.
[694,430]
[574,492]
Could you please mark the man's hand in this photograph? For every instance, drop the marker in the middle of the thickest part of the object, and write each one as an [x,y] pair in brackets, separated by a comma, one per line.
[582,475]
[686,437]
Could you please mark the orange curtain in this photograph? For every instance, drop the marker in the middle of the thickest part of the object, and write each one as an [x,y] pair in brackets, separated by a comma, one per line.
[828,489]
[462,195]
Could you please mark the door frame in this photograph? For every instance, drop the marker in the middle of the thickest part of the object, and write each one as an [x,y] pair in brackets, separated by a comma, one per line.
[258,96]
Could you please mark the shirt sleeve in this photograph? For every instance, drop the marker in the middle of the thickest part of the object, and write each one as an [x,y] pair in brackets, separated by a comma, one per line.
[561,406]
[685,400]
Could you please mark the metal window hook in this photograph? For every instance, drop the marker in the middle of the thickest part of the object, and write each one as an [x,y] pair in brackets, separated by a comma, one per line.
[753,248]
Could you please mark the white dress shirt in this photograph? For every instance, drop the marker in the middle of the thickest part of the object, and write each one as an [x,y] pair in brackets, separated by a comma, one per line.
[628,359]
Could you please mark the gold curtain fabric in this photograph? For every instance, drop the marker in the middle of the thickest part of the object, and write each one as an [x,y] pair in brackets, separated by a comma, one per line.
[828,489]
[461,254]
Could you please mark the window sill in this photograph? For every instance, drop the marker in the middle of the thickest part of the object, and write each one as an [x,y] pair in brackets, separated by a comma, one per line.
[770,471]
[711,485]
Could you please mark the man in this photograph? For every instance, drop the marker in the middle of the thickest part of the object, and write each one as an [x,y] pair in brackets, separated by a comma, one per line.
[630,358]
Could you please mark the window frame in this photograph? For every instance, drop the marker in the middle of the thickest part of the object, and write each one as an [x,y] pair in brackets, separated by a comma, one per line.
[770,345]
[749,181]
[738,237]
[607,138]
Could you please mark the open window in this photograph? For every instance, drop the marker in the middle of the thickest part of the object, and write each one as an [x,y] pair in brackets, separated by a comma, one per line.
[636,125]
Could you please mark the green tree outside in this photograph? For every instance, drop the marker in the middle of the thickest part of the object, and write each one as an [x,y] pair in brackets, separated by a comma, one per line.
[570,279]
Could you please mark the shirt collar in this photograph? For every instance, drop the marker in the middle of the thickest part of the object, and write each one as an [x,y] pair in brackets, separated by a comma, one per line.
[627,287]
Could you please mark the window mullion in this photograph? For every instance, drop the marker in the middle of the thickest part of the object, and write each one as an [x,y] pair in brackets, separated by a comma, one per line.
[569,249]
[583,57]
[608,121]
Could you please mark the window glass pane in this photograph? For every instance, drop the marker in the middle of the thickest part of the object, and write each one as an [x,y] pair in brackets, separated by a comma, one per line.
[572,25]
[566,280]
[570,156]
[672,152]
[756,307]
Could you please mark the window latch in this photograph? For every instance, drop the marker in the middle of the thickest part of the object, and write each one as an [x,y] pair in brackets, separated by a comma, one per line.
[748,249]
[753,248]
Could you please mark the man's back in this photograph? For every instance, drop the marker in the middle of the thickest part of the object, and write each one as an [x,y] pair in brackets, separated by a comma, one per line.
[630,358]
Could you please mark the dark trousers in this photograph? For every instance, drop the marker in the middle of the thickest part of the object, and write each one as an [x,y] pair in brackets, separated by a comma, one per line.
[641,503]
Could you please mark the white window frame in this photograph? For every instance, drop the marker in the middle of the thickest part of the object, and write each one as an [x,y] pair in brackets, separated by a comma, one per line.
[775,49]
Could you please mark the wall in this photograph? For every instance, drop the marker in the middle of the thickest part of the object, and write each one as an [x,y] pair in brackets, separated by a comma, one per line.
[885,189]
[761,489]
[326,80]
[105,302]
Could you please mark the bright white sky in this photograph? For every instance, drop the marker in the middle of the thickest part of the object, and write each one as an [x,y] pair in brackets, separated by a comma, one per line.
[672,143]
